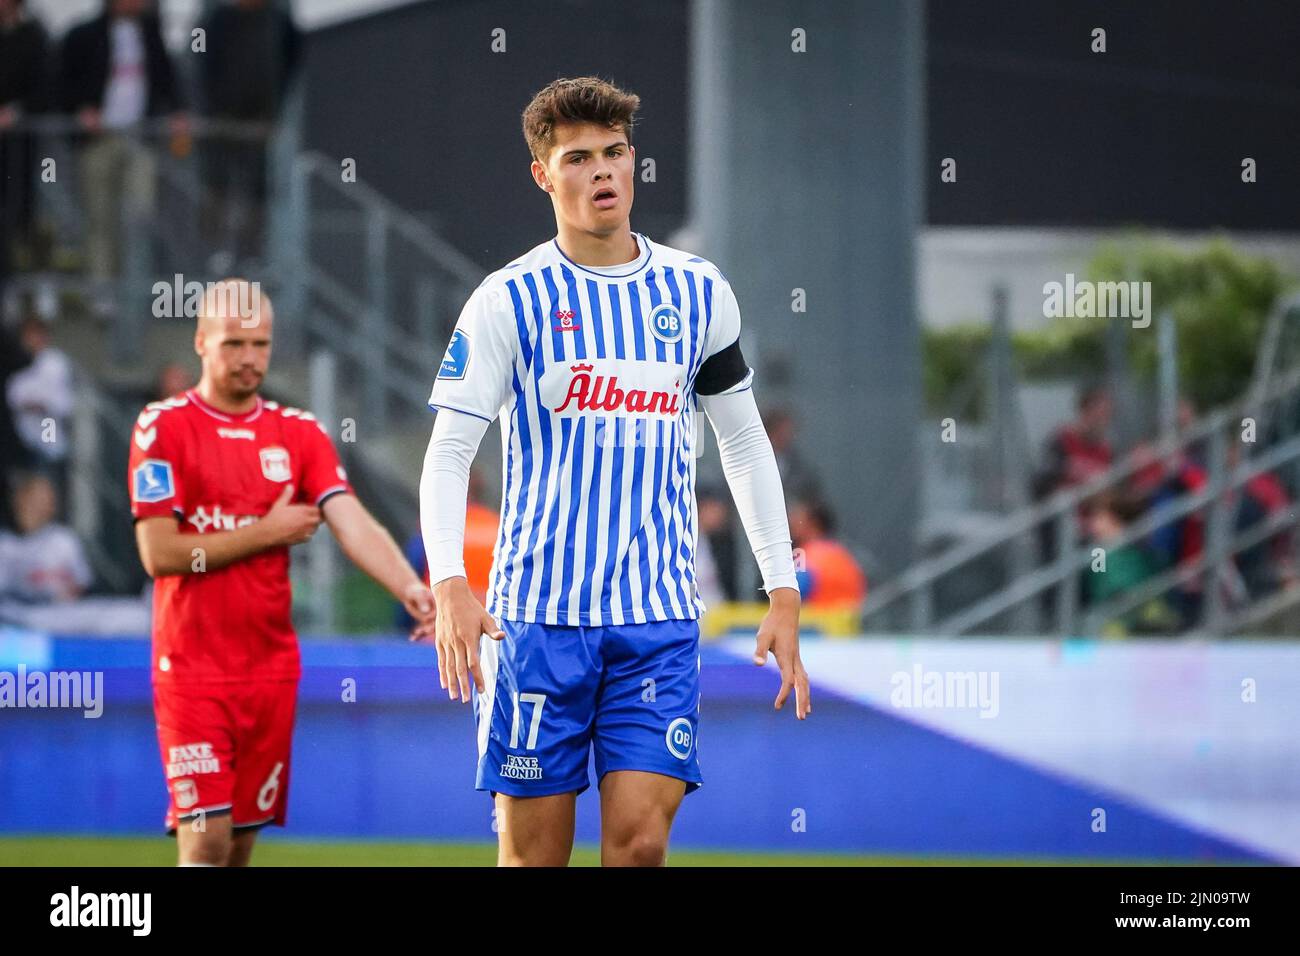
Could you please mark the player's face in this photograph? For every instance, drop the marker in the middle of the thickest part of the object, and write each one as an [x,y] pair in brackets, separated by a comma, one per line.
[236,353]
[589,175]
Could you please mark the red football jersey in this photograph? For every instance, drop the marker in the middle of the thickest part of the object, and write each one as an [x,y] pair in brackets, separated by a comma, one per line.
[214,472]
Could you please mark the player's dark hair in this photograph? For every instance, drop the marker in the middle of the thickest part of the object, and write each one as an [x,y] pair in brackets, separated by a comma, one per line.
[585,99]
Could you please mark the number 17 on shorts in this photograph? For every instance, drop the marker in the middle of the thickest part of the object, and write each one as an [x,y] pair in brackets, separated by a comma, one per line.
[553,694]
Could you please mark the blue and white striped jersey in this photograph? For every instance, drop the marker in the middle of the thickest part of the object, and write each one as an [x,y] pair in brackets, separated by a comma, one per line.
[592,370]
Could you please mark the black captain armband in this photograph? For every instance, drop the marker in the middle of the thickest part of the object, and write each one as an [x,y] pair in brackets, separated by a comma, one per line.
[721,371]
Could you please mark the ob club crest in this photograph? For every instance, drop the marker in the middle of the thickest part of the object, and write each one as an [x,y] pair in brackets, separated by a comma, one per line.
[665,323]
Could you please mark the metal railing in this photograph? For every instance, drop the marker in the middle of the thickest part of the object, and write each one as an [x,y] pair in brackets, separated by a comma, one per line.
[352,273]
[910,599]
[101,435]
[372,282]
[169,236]
[352,270]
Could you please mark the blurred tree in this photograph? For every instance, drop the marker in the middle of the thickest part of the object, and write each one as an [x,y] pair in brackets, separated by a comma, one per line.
[1219,298]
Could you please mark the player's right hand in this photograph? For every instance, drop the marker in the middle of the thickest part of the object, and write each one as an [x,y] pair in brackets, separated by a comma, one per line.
[288,523]
[461,621]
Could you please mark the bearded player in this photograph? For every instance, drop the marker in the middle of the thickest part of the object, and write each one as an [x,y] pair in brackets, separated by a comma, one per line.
[222,483]
[597,350]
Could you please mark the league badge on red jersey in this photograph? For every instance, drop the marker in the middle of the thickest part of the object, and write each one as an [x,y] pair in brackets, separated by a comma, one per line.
[153,481]
[275,464]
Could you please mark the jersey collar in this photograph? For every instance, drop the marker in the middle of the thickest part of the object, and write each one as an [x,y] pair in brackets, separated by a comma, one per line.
[621,271]
[193,396]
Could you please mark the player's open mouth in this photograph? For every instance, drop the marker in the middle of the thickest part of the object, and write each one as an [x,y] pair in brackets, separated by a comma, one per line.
[605,198]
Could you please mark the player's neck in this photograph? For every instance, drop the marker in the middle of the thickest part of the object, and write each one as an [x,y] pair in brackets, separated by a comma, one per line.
[224,403]
[587,249]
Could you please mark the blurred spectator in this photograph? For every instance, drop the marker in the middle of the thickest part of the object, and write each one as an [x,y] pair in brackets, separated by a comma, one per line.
[22,92]
[43,562]
[1267,567]
[1185,419]
[41,397]
[116,73]
[173,379]
[252,52]
[13,455]
[1106,517]
[798,478]
[1078,451]
[829,576]
[481,526]
[1180,541]
[714,521]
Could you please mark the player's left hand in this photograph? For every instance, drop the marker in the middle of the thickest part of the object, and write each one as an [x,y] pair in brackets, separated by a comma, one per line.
[779,634]
[418,601]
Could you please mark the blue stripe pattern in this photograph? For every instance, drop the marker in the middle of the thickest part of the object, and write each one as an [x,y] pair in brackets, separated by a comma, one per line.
[598,512]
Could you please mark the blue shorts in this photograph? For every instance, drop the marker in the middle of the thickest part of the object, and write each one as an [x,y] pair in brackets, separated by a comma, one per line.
[551,692]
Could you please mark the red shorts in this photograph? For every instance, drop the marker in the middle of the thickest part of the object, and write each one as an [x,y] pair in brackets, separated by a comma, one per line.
[225,749]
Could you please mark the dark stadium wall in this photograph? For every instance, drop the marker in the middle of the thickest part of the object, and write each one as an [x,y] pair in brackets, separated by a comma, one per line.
[1153,131]
[431,114]
[1045,131]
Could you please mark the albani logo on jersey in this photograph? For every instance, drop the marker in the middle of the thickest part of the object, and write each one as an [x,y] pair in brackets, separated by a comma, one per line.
[614,386]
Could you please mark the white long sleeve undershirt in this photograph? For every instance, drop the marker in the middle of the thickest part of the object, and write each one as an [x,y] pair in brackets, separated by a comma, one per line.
[444,491]
[749,465]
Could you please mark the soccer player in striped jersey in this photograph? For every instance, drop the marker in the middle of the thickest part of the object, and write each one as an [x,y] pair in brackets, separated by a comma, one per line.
[597,349]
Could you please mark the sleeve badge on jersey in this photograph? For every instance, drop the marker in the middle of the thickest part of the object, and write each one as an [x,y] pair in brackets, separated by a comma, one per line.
[456,360]
[152,481]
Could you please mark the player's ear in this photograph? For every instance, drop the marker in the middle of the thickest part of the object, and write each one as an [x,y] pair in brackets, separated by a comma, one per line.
[539,176]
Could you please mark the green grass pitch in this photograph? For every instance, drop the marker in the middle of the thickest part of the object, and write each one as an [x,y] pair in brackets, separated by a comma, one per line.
[275,851]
